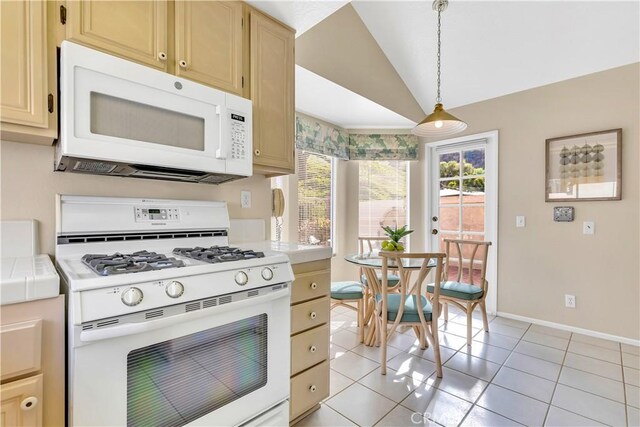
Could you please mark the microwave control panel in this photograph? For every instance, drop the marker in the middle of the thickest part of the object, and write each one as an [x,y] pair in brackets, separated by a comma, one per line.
[157,214]
[238,137]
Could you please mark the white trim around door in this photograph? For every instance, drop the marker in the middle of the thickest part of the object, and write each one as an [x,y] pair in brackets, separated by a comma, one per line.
[489,140]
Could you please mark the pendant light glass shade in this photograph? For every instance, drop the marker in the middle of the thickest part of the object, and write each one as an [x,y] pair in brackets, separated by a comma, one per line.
[439,124]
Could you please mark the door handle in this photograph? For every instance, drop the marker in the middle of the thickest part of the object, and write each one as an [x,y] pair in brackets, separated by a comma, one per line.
[434,231]
[434,219]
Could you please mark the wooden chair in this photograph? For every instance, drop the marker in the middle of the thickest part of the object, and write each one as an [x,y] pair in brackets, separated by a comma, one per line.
[467,291]
[344,293]
[367,244]
[409,307]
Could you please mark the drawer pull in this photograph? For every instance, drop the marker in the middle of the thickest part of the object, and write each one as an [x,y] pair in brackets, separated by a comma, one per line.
[313,285]
[313,388]
[29,403]
[183,64]
[312,349]
[162,56]
[313,315]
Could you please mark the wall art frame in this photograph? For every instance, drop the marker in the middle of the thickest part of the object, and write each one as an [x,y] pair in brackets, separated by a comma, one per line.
[584,167]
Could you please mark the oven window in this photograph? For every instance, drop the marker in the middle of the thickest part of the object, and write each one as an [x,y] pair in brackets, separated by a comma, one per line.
[178,381]
[121,118]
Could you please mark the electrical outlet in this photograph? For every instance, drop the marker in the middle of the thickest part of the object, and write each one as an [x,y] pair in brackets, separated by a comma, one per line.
[570,301]
[520,221]
[588,227]
[245,199]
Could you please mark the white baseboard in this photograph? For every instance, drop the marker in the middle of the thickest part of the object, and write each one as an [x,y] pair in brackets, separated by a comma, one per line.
[589,332]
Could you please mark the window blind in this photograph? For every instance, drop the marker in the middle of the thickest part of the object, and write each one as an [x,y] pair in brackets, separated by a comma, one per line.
[315,173]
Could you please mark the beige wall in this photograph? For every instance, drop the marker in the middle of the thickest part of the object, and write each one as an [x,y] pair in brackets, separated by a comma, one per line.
[539,264]
[28,187]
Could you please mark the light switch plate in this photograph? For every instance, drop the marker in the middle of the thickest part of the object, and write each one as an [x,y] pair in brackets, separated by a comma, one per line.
[588,227]
[520,221]
[563,213]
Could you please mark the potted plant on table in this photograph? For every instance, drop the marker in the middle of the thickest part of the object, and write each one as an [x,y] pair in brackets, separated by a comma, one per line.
[394,235]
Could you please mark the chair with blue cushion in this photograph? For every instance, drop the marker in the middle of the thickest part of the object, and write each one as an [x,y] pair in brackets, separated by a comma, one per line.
[409,307]
[465,290]
[344,293]
[370,244]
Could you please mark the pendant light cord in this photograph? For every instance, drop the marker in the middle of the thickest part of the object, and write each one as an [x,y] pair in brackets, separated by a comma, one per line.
[439,98]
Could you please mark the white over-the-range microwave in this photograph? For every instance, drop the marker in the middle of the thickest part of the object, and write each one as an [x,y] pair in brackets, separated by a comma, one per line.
[121,118]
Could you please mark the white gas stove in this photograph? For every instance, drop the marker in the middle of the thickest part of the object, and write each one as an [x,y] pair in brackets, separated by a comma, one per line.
[167,324]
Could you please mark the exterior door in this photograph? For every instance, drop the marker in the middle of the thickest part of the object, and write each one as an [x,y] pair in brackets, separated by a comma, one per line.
[463,197]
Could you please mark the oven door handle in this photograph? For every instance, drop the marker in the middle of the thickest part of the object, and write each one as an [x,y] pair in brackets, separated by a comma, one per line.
[136,328]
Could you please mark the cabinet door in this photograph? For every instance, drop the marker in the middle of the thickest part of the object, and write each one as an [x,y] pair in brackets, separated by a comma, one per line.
[23,63]
[135,30]
[209,43]
[272,93]
[22,402]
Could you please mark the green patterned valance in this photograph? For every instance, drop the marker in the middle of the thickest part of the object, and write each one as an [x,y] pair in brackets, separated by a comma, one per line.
[319,137]
[383,147]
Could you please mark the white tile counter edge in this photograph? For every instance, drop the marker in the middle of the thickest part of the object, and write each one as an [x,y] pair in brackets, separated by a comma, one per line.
[297,254]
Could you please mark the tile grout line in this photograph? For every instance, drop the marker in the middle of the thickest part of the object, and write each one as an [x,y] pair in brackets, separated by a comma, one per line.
[624,387]
[555,386]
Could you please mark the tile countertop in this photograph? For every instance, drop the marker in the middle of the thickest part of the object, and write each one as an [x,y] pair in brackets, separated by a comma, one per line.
[297,253]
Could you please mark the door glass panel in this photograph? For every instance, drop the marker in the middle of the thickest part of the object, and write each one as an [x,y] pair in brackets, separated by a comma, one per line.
[175,382]
[121,118]
[449,218]
[474,162]
[473,218]
[449,165]
[449,192]
[473,190]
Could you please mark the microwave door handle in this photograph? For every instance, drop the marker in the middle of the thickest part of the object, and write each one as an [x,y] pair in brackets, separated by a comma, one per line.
[137,328]
[221,151]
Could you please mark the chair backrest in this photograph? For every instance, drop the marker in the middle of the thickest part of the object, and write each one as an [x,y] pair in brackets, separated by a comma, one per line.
[394,260]
[367,244]
[469,255]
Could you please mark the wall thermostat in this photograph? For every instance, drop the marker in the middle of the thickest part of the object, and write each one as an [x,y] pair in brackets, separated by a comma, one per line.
[563,213]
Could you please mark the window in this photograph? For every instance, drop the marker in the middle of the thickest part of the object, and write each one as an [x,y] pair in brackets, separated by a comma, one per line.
[315,198]
[383,196]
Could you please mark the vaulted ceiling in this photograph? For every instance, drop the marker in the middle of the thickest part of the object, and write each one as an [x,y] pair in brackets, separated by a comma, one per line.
[490,48]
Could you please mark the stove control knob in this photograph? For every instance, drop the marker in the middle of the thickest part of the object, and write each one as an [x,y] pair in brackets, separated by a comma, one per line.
[267,273]
[241,278]
[132,296]
[174,289]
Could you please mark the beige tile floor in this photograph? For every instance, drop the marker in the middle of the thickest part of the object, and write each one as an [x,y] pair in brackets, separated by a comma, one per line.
[518,374]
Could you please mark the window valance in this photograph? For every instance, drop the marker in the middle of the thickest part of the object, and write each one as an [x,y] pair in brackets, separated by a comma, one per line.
[323,138]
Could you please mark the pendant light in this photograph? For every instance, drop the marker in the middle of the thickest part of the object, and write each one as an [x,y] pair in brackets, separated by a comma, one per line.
[439,123]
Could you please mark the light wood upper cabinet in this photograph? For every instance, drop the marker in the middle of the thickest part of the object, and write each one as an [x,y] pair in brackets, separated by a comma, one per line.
[208,37]
[272,93]
[136,30]
[23,63]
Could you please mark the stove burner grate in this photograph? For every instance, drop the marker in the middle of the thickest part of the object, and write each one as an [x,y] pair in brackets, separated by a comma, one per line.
[137,262]
[216,254]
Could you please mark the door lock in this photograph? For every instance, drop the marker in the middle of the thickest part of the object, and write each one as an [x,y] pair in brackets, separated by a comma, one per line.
[434,219]
[434,231]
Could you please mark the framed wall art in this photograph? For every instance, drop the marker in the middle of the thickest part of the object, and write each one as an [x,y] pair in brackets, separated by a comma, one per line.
[584,167]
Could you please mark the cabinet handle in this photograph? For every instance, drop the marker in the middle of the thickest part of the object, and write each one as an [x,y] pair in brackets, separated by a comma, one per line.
[312,349]
[257,152]
[313,286]
[313,315]
[162,56]
[313,388]
[183,63]
[29,403]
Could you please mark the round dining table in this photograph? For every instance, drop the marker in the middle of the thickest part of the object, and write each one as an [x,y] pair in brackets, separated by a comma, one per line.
[370,263]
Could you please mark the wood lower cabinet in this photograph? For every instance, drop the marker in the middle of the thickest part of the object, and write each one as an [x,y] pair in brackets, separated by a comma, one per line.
[309,337]
[272,93]
[208,37]
[32,363]
[27,65]
[135,30]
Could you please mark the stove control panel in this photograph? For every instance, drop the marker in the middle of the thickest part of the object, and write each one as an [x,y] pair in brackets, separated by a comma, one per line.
[156,214]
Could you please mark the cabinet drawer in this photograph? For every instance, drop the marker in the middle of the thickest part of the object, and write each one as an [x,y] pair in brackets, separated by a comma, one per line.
[308,286]
[21,348]
[309,315]
[309,348]
[308,389]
